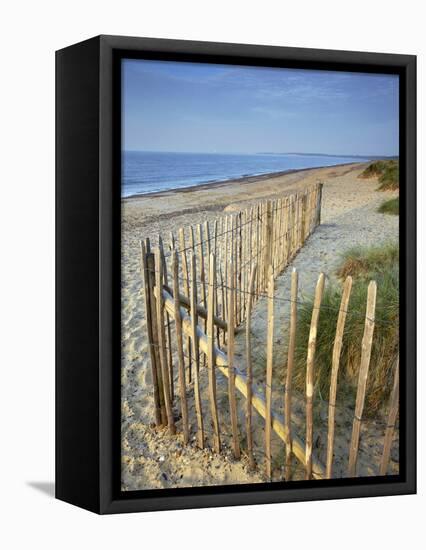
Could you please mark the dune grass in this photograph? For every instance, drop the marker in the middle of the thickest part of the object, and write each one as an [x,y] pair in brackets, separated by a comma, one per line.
[367,262]
[389,207]
[363,264]
[389,179]
[374,169]
[387,171]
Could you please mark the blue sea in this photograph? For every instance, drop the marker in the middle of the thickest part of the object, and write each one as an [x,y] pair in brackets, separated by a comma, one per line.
[148,172]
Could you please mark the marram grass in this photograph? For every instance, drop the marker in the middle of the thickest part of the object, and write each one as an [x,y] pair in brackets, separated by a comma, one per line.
[380,264]
[387,171]
[390,207]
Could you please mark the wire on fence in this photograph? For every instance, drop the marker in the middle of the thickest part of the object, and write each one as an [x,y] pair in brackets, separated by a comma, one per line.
[306,304]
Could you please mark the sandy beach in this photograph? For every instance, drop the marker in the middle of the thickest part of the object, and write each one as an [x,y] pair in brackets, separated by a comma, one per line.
[150,457]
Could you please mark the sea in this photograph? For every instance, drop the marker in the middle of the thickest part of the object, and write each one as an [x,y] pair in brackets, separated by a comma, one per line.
[147,172]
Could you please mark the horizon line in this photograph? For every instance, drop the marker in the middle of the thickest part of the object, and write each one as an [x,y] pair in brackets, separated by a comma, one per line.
[352,155]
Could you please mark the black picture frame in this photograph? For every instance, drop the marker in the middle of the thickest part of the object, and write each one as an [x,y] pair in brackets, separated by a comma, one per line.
[88,274]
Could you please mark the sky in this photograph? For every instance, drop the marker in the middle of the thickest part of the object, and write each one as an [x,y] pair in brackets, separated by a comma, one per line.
[194,107]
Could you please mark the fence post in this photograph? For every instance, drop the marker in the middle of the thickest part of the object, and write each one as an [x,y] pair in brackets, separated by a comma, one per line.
[169,335]
[291,227]
[310,363]
[319,203]
[238,252]
[285,232]
[269,368]
[222,292]
[150,263]
[258,249]
[243,235]
[281,217]
[248,247]
[162,339]
[298,224]
[249,254]
[274,224]
[225,265]
[216,295]
[179,342]
[185,272]
[312,211]
[211,363]
[367,340]
[231,377]
[202,276]
[244,225]
[268,240]
[202,268]
[149,329]
[390,427]
[304,216]
[249,364]
[234,260]
[290,364]
[337,349]
[195,352]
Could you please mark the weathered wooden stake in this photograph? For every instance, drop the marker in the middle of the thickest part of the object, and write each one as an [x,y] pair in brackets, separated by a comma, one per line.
[337,349]
[390,428]
[310,364]
[150,262]
[318,205]
[168,341]
[179,342]
[149,329]
[249,364]
[268,241]
[367,341]
[222,292]
[225,264]
[289,374]
[216,296]
[258,244]
[238,274]
[208,238]
[202,268]
[269,368]
[210,352]
[242,268]
[196,352]
[184,263]
[202,276]
[231,377]
[162,339]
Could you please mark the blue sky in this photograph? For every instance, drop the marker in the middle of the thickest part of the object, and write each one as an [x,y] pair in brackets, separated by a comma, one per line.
[190,107]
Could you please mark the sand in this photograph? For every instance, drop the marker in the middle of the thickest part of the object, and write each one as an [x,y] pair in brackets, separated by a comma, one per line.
[153,459]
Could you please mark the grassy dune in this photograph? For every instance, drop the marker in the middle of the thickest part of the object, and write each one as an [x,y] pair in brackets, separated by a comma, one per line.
[387,172]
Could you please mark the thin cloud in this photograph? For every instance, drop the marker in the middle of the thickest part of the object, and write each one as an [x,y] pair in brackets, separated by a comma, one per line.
[274,112]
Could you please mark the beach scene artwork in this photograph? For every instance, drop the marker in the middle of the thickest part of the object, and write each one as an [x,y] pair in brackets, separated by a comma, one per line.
[259,275]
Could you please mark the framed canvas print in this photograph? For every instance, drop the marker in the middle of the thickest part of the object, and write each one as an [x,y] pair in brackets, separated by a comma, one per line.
[235,274]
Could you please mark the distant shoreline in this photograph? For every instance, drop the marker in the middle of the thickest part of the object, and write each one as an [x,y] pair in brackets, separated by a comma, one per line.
[214,184]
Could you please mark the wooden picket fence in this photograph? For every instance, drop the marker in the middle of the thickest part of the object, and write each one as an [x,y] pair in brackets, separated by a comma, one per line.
[201,293]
